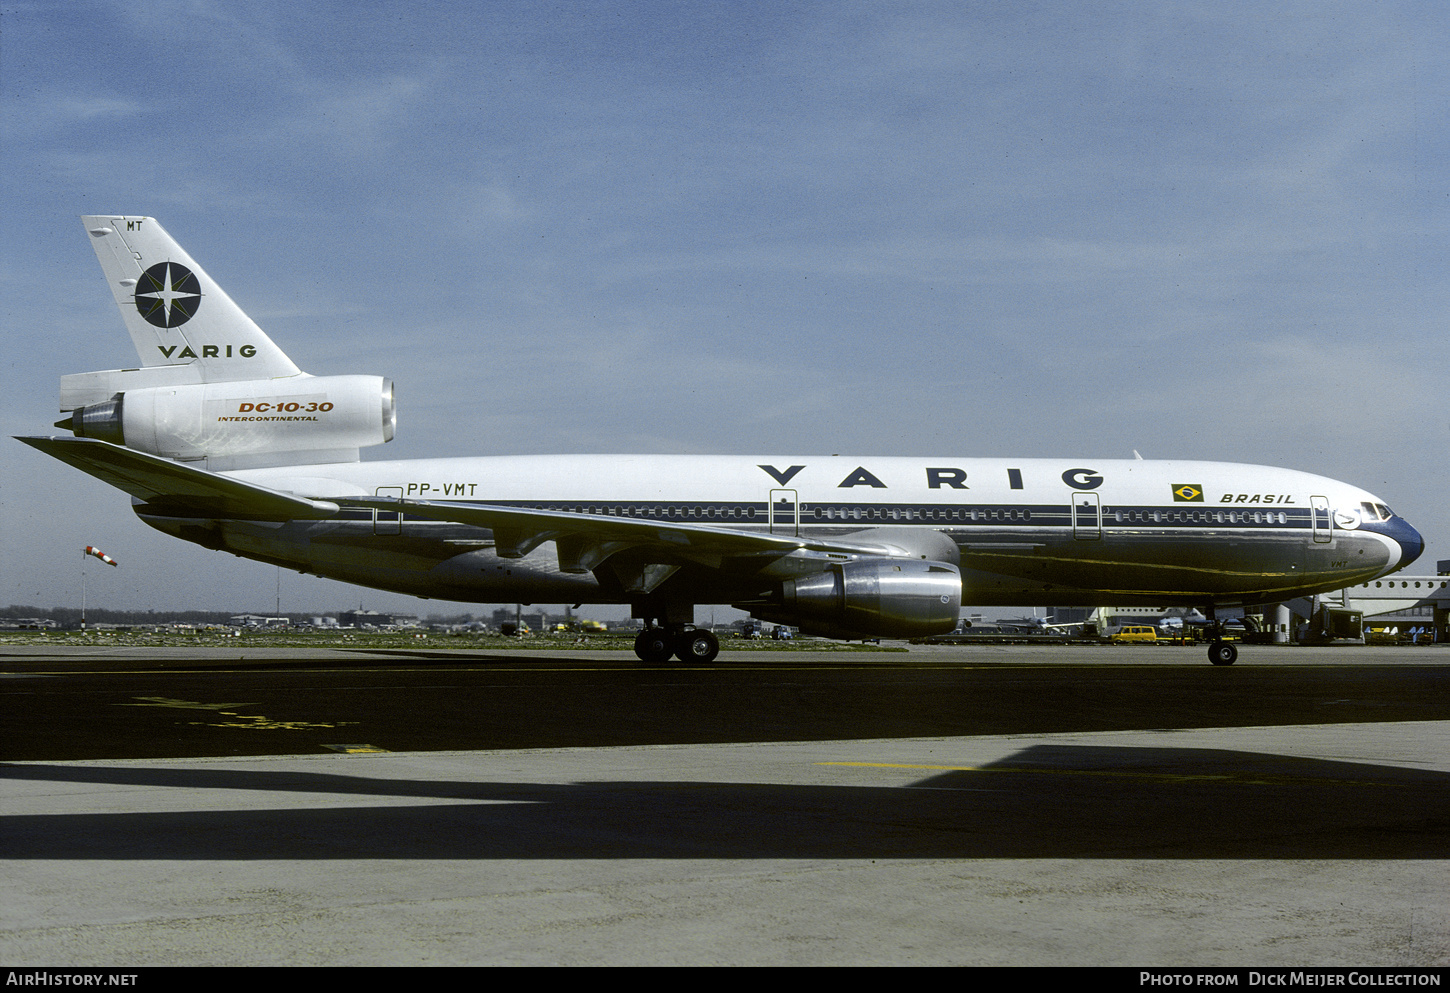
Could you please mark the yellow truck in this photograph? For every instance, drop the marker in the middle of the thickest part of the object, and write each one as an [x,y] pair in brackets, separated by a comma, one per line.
[1136,634]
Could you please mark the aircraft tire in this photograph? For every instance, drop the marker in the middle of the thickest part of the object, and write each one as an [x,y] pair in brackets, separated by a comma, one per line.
[697,646]
[653,646]
[1222,653]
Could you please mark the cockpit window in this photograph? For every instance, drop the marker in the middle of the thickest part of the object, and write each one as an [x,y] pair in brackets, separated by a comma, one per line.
[1376,512]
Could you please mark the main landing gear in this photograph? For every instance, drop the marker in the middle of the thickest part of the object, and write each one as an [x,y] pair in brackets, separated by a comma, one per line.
[656,645]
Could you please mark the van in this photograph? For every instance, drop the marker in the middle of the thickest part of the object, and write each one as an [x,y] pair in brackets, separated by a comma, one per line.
[1131,634]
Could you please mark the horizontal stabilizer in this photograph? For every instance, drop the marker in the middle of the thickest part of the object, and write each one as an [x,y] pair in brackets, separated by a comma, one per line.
[172,489]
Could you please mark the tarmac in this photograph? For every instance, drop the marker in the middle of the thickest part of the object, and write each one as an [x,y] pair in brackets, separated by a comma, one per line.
[1322,844]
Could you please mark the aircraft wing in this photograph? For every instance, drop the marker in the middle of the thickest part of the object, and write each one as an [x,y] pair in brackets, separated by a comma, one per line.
[585,540]
[178,490]
[175,489]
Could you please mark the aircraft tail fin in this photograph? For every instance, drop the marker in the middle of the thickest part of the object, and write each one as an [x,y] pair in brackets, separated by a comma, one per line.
[211,386]
[176,314]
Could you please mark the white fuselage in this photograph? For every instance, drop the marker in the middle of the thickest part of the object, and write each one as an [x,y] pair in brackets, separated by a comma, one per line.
[1029,531]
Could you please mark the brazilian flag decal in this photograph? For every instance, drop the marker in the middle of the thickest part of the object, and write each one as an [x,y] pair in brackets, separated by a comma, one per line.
[1188,493]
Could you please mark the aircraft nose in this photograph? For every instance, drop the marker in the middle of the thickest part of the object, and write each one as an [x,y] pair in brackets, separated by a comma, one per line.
[1411,544]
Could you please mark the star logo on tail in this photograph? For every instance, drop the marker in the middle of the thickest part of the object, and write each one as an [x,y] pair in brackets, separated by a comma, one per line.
[168,295]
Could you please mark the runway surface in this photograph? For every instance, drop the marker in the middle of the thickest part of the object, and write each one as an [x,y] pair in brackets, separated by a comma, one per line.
[1002,805]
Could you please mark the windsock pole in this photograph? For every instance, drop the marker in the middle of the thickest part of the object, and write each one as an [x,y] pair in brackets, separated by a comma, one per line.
[86,552]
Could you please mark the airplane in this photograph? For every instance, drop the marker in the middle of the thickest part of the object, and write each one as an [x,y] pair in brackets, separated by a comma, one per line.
[1042,625]
[221,440]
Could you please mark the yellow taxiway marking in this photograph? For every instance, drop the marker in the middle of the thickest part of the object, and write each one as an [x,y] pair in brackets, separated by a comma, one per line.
[357,749]
[246,722]
[166,701]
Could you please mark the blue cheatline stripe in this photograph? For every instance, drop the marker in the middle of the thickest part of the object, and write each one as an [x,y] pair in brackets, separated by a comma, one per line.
[945,516]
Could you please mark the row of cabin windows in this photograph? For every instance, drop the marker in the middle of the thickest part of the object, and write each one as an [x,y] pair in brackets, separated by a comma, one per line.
[943,514]
[1200,516]
[925,514]
[819,513]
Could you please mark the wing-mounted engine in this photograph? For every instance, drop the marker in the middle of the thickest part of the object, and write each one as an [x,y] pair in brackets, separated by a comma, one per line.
[872,598]
[236,425]
[914,591]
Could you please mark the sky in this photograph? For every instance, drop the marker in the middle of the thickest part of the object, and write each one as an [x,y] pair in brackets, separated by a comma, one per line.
[1194,230]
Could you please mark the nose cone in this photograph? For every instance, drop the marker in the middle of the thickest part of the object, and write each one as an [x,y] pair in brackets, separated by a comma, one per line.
[1411,544]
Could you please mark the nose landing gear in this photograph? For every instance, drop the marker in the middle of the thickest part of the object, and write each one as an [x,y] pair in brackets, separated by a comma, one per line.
[1222,653]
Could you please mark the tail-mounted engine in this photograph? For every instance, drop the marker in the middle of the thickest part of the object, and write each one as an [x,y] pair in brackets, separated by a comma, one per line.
[873,598]
[248,423]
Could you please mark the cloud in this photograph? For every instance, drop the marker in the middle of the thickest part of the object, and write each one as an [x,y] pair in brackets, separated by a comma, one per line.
[974,229]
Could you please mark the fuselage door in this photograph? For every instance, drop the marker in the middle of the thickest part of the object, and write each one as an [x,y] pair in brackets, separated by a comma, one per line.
[1087,516]
[388,521]
[1321,519]
[784,518]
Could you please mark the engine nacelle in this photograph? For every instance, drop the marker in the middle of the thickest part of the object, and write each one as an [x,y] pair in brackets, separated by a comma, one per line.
[874,598]
[253,422]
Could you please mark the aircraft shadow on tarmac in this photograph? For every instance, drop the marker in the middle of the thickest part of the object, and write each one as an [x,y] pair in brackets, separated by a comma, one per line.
[1059,801]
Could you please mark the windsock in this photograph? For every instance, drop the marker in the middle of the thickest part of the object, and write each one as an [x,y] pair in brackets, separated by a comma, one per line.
[93,550]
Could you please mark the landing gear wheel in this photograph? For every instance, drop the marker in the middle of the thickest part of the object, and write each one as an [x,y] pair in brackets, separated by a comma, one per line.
[697,646]
[1222,653]
[653,646]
